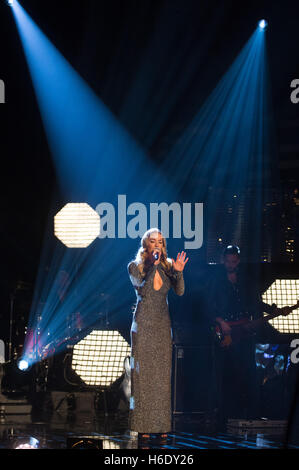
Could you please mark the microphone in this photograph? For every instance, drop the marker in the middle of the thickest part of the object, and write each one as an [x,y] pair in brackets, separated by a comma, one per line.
[156,255]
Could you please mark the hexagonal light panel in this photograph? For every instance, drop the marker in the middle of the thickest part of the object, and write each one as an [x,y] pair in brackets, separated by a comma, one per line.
[77,225]
[99,358]
[284,292]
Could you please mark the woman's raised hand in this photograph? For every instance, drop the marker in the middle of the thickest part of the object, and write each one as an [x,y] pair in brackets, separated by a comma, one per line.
[180,262]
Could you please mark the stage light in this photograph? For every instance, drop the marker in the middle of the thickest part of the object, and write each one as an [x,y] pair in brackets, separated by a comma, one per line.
[17,379]
[284,292]
[110,444]
[99,358]
[77,225]
[24,443]
[263,24]
[23,364]
[10,2]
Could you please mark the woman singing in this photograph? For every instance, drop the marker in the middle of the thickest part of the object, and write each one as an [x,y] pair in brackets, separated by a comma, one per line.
[152,275]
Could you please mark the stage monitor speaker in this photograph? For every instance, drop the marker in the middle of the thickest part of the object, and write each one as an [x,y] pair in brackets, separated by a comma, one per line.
[194,380]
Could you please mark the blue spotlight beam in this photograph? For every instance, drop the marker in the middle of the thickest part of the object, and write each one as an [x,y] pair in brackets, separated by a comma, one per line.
[226,126]
[95,159]
[91,150]
[92,153]
[227,145]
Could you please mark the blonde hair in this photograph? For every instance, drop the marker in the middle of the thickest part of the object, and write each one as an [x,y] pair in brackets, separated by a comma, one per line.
[143,253]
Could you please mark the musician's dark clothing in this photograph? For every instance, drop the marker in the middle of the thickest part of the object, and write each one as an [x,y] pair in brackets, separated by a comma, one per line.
[237,392]
[234,301]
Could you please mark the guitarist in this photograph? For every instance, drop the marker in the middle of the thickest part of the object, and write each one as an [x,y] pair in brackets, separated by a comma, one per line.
[232,297]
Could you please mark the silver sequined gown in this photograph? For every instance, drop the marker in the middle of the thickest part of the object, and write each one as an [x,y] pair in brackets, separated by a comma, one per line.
[151,350]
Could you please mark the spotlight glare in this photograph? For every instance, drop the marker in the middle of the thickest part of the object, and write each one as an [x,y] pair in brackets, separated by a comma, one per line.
[23,365]
[30,443]
[263,24]
[10,2]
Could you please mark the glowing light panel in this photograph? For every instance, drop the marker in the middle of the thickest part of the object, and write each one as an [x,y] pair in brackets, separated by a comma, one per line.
[98,359]
[284,292]
[77,225]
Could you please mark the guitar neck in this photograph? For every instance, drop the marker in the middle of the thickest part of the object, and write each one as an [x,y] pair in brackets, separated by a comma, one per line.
[270,316]
[274,314]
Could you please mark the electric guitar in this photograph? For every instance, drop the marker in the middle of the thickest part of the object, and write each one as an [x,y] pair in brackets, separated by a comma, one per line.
[245,327]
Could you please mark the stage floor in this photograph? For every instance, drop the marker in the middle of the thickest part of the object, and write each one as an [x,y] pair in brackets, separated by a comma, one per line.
[86,430]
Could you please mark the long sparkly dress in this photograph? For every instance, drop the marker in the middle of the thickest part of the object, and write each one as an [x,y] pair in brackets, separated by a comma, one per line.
[151,350]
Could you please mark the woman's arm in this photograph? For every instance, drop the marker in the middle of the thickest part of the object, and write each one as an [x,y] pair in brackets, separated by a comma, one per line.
[177,278]
[141,283]
[177,281]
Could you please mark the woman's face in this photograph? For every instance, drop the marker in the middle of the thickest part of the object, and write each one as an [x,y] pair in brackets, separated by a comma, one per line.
[155,242]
